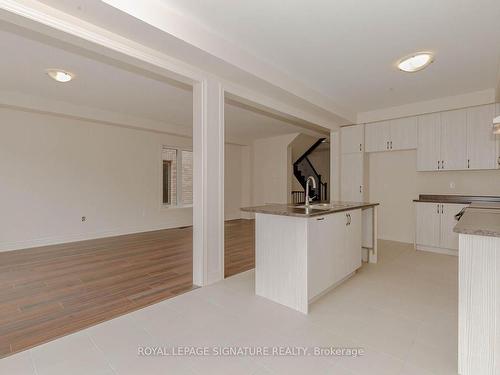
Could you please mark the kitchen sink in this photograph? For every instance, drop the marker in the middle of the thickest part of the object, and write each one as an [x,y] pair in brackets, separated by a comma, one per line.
[324,206]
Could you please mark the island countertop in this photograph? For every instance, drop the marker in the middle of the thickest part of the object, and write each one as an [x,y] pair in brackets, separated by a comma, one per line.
[481,220]
[301,211]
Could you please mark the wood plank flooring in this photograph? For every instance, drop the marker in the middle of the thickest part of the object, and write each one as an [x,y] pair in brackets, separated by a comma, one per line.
[239,246]
[52,291]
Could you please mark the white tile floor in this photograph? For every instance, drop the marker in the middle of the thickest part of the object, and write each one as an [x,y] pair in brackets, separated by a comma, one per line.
[402,311]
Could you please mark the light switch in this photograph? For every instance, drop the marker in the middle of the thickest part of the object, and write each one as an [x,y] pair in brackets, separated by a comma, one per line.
[452,185]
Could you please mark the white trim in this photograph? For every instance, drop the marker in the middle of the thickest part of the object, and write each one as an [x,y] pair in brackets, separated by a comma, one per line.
[35,104]
[429,106]
[33,14]
[438,250]
[162,17]
[56,240]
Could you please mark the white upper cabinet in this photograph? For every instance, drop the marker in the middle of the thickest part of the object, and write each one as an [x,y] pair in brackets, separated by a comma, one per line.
[457,140]
[352,139]
[403,133]
[454,140]
[391,135]
[481,142]
[428,142]
[377,136]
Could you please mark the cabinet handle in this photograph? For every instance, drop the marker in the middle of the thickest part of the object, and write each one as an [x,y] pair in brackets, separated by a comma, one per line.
[321,218]
[442,206]
[438,164]
[438,208]
[360,189]
[349,215]
[498,161]
[346,219]
[442,164]
[360,147]
[391,145]
[468,163]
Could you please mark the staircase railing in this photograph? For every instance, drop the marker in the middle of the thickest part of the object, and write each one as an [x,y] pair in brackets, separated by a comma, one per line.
[299,196]
[302,169]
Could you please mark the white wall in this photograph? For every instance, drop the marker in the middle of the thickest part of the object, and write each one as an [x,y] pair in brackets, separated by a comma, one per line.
[55,170]
[395,182]
[271,178]
[237,179]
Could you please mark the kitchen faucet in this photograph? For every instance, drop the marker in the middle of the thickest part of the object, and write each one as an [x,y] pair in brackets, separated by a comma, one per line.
[309,179]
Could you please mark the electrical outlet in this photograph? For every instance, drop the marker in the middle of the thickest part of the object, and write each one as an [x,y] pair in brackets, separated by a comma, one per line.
[84,218]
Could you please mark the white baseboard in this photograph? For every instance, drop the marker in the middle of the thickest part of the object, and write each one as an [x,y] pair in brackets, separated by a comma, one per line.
[437,250]
[55,240]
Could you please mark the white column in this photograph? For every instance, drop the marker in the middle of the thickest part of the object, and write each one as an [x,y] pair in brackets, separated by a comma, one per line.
[208,176]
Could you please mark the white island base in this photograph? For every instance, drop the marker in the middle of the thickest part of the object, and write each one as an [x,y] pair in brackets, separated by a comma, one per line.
[298,259]
[479,305]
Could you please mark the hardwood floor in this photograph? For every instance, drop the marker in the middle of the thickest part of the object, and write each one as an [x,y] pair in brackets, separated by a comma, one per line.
[239,246]
[52,291]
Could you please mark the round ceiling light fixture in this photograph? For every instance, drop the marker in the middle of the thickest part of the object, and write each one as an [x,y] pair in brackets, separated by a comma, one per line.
[415,62]
[60,75]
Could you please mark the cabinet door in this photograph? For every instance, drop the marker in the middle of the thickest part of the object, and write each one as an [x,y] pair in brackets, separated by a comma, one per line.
[353,242]
[351,138]
[404,133]
[351,177]
[481,142]
[454,140]
[324,239]
[428,141]
[449,239]
[497,113]
[428,224]
[377,136]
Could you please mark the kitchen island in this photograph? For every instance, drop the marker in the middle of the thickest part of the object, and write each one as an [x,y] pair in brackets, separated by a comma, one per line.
[479,290]
[303,252]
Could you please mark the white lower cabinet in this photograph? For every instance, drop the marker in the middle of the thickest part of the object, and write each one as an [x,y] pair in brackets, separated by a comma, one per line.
[334,249]
[428,224]
[434,226]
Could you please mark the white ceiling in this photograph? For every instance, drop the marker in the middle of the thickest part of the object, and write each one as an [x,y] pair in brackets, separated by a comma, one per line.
[99,84]
[347,49]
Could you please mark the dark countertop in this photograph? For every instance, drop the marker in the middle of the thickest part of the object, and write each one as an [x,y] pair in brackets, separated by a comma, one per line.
[480,220]
[297,211]
[454,198]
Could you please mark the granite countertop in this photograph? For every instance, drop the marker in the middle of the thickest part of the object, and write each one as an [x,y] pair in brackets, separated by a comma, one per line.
[455,198]
[298,211]
[480,219]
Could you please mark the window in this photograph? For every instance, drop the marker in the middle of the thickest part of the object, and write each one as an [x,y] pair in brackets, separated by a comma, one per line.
[177,177]
[167,182]
[187,177]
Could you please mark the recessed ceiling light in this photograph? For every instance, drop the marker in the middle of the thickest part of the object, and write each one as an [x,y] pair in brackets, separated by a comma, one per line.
[60,75]
[415,62]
